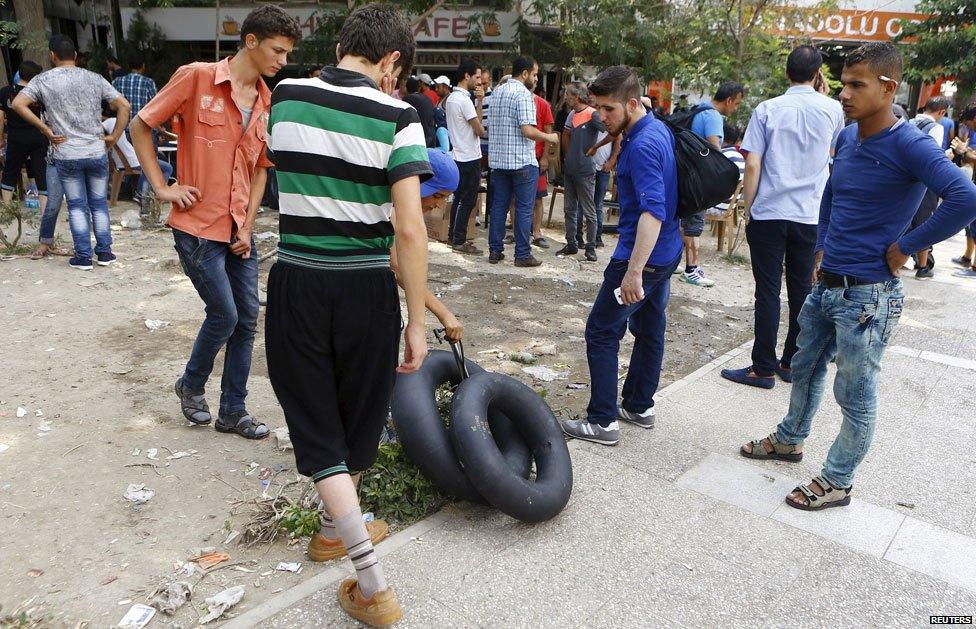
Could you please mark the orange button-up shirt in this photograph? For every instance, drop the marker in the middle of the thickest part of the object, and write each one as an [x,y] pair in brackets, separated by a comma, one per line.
[214,153]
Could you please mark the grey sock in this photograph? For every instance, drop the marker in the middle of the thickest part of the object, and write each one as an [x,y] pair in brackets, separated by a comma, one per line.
[352,531]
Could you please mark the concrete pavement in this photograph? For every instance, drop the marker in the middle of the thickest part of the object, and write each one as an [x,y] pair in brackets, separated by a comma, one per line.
[671,528]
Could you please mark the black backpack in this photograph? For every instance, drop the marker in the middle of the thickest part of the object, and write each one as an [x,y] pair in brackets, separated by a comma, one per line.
[685,117]
[706,177]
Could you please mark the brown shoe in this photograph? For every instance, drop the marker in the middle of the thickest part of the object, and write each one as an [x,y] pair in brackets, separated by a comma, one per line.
[467,248]
[379,611]
[529,261]
[321,548]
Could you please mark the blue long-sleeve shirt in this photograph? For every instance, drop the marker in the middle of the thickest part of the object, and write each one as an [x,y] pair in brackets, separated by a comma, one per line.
[873,193]
[647,181]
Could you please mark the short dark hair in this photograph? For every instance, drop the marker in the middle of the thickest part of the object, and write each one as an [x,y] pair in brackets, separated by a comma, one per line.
[468,66]
[732,133]
[137,61]
[270,21]
[620,82]
[374,31]
[113,59]
[62,47]
[729,89]
[28,70]
[937,103]
[522,64]
[969,113]
[803,64]
[883,58]
[413,85]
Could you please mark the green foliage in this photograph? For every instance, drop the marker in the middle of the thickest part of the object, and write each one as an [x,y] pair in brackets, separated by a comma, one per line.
[395,489]
[300,521]
[944,44]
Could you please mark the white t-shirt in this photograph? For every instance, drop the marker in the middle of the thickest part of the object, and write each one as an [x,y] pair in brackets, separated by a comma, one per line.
[602,155]
[124,145]
[936,131]
[458,108]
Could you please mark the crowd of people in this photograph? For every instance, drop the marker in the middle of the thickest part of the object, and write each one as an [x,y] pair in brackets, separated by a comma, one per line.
[839,193]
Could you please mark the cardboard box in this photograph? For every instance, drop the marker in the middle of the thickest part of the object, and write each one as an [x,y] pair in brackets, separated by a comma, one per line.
[438,220]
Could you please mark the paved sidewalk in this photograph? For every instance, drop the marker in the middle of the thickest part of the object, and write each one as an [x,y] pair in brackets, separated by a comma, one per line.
[672,528]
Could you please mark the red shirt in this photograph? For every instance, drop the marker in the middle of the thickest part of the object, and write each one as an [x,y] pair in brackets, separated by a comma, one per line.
[216,155]
[432,95]
[543,117]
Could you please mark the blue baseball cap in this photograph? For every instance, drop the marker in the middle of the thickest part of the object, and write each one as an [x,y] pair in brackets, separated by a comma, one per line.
[445,177]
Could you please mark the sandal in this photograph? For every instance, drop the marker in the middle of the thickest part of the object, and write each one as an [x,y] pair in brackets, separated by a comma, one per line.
[782,451]
[193,405]
[833,496]
[38,253]
[243,423]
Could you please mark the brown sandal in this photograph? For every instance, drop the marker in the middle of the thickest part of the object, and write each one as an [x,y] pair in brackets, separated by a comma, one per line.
[782,451]
[833,496]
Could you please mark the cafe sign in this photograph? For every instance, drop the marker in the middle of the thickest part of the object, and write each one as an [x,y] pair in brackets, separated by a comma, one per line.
[850,25]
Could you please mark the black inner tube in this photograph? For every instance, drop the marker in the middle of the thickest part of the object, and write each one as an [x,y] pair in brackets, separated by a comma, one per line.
[425,438]
[529,500]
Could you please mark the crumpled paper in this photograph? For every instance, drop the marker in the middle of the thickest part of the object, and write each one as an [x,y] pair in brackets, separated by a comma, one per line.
[221,602]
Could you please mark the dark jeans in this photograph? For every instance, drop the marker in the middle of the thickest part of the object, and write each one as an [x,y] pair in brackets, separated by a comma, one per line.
[607,324]
[770,243]
[55,197]
[465,198]
[228,286]
[521,185]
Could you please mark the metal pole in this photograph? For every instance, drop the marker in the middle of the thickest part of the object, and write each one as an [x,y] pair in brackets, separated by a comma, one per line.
[217,31]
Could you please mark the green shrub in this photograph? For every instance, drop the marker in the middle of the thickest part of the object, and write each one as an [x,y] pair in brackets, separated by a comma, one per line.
[395,489]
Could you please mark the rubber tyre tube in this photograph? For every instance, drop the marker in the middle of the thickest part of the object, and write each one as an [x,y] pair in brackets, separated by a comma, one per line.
[425,438]
[524,499]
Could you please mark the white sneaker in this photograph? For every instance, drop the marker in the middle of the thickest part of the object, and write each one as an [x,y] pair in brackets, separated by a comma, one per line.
[697,278]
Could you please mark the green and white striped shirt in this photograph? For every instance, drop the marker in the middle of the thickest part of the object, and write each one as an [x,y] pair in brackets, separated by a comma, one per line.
[339,144]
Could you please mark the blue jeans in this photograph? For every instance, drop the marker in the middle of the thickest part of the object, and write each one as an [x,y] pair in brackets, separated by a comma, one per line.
[607,324]
[143,182]
[599,193]
[228,286]
[55,197]
[505,184]
[852,325]
[85,183]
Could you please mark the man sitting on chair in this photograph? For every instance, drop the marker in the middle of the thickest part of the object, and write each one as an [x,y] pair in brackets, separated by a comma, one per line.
[128,154]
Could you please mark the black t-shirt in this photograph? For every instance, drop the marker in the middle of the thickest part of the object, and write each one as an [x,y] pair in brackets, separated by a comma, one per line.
[426,110]
[14,123]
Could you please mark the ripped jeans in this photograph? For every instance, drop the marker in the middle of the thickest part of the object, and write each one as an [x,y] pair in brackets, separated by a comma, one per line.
[852,325]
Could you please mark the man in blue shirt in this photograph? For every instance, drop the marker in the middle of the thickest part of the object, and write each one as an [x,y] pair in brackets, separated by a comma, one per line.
[881,170]
[639,272]
[709,123]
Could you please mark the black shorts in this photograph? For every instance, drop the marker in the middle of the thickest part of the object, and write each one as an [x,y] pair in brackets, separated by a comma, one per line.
[332,340]
[25,148]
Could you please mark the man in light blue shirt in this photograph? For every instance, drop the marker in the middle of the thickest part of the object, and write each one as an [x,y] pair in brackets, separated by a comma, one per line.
[709,123]
[789,141]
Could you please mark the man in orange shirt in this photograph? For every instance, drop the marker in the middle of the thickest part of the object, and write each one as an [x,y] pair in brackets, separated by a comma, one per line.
[222,114]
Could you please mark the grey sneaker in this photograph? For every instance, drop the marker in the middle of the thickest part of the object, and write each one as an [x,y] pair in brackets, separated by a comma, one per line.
[582,429]
[644,420]
[193,404]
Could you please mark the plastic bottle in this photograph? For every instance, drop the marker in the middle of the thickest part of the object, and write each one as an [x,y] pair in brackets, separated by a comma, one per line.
[33,200]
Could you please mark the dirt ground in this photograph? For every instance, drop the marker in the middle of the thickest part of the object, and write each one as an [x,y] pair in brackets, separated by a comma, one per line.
[97,387]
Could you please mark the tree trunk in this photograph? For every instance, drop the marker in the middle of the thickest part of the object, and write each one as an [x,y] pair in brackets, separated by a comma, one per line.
[3,71]
[30,16]
[117,27]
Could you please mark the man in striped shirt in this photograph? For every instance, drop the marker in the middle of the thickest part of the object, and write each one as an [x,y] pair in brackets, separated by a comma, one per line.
[347,153]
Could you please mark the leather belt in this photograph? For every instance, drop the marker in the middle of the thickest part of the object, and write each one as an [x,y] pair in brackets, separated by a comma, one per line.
[832,280]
